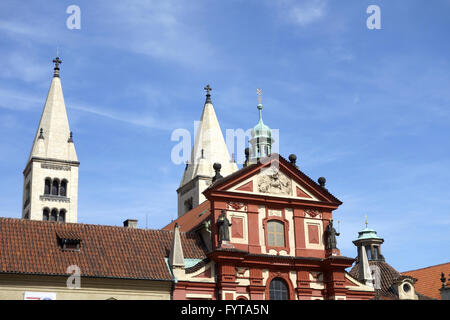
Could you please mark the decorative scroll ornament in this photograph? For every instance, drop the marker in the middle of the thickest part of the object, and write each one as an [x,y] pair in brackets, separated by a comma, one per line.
[275,182]
[312,212]
[236,205]
[240,271]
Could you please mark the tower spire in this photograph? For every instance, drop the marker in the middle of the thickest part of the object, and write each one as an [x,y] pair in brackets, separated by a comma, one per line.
[209,148]
[52,167]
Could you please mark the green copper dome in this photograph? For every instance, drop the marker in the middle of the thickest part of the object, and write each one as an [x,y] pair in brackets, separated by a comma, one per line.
[261,140]
[368,233]
[261,130]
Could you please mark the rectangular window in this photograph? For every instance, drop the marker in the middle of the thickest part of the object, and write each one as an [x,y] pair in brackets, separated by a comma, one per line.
[275,233]
[375,253]
[369,253]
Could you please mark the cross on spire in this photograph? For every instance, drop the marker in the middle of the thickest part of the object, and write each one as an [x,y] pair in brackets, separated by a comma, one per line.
[208,94]
[259,93]
[57,62]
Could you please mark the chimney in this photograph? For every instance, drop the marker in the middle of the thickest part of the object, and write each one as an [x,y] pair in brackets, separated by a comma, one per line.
[130,223]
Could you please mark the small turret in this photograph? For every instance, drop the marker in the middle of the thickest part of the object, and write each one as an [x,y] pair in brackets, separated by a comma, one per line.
[261,140]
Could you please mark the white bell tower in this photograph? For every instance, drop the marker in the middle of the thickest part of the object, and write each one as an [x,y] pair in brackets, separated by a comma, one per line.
[209,148]
[50,190]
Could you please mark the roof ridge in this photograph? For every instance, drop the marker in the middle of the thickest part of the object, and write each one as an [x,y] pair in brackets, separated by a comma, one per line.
[437,265]
[20,220]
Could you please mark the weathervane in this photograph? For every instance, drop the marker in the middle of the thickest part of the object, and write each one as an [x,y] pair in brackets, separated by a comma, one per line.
[259,93]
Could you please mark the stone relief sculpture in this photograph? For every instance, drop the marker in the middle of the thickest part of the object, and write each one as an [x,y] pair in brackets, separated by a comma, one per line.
[273,181]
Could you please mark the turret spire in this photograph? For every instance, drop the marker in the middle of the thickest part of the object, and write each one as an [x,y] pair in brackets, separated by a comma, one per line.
[261,140]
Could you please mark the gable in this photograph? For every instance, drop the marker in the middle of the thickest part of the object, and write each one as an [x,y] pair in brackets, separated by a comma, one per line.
[273,182]
[275,178]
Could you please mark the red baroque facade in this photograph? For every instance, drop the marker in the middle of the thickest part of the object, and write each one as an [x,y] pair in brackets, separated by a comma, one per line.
[277,247]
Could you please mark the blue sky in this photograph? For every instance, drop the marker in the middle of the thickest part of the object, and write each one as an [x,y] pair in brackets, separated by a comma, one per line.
[367,109]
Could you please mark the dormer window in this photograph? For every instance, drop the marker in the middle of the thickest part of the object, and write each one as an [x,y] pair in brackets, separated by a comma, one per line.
[404,286]
[69,241]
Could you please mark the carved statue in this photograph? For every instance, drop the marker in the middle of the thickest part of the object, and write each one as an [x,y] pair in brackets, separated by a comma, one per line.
[331,234]
[224,227]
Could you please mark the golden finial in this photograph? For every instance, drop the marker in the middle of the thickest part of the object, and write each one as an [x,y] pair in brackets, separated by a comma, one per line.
[259,93]
[366,220]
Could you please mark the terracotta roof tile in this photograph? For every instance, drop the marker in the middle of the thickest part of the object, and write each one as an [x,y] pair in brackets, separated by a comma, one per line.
[428,279]
[388,275]
[33,247]
[191,219]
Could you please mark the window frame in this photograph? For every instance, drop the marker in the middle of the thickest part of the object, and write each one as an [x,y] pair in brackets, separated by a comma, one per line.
[275,291]
[66,183]
[57,182]
[49,180]
[48,214]
[275,233]
[281,219]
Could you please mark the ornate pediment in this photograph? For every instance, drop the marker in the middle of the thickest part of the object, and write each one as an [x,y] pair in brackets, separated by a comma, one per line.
[273,181]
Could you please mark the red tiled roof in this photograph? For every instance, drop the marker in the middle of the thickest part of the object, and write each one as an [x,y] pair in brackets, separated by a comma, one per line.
[388,275]
[192,218]
[33,247]
[429,279]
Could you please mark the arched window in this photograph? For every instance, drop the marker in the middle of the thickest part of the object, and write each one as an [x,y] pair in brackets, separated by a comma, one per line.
[188,205]
[55,187]
[278,289]
[46,214]
[275,233]
[63,189]
[54,215]
[48,184]
[62,216]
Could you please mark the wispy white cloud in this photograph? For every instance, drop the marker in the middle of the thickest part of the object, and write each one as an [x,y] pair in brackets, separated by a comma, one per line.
[141,120]
[303,13]
[19,101]
[158,29]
